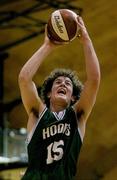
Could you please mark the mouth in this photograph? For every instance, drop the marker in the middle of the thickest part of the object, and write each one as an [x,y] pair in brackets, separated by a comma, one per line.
[62,91]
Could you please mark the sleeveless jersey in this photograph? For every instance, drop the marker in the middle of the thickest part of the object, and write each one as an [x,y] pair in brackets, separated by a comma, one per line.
[54,147]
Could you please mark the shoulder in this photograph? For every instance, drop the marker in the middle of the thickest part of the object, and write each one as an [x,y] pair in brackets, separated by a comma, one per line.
[78,113]
[81,123]
[34,117]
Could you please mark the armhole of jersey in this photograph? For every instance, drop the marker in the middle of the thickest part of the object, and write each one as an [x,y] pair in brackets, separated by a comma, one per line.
[29,136]
[79,131]
[81,137]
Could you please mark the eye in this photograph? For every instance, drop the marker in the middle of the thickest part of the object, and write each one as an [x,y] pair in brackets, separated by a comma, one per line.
[68,83]
[58,81]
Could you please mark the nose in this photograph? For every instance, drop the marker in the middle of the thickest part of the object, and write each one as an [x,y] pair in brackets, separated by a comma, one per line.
[63,83]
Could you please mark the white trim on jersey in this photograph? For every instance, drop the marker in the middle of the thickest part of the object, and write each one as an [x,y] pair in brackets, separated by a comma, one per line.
[29,137]
[59,116]
[80,134]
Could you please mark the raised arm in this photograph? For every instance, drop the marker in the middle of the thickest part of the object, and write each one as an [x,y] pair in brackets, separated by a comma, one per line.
[88,95]
[29,94]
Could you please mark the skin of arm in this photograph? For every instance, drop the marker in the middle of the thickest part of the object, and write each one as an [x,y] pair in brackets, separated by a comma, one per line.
[29,94]
[91,85]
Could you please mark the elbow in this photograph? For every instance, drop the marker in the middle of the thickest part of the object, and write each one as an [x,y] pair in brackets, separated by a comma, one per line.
[96,80]
[23,77]
[96,77]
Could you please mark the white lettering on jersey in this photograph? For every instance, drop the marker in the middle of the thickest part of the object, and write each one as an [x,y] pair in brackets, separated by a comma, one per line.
[55,151]
[56,129]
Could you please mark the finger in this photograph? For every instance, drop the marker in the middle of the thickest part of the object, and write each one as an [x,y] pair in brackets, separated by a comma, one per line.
[60,43]
[80,22]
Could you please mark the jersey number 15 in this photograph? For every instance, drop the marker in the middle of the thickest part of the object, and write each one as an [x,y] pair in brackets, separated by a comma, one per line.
[55,151]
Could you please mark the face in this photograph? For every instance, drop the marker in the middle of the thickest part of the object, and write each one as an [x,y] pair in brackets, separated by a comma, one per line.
[61,91]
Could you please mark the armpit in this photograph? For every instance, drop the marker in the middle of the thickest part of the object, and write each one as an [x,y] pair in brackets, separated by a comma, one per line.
[35,112]
[79,114]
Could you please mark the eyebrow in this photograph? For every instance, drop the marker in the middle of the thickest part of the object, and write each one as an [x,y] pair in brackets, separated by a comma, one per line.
[68,79]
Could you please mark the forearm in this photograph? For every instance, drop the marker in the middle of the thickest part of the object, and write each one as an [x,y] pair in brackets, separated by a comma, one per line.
[91,60]
[32,65]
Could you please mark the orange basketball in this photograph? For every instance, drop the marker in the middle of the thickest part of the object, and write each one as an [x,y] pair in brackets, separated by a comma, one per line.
[62,25]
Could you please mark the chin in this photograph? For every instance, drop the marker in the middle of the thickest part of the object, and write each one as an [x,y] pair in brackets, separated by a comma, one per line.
[63,101]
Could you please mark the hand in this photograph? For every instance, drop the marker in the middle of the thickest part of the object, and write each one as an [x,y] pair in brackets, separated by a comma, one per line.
[47,40]
[82,33]
[51,42]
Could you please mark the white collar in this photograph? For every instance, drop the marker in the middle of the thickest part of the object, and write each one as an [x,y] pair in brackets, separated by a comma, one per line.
[59,115]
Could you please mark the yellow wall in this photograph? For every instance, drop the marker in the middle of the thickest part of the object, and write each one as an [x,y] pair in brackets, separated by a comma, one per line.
[12,174]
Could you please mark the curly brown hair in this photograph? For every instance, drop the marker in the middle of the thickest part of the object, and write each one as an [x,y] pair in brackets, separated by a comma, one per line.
[47,85]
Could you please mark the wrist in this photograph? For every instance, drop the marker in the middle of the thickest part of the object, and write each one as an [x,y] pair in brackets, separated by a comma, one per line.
[86,40]
[48,46]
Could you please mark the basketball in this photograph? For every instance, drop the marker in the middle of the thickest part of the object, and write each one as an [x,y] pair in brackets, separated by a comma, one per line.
[62,26]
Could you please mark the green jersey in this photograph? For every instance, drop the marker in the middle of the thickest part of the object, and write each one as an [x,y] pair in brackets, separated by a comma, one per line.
[54,147]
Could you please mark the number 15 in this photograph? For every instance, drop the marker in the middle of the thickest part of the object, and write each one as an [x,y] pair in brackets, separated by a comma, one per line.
[55,151]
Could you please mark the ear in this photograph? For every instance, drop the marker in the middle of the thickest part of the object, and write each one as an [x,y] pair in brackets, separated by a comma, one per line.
[49,95]
[73,99]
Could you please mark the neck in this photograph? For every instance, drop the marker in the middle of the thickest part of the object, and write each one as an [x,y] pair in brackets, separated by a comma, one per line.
[57,107]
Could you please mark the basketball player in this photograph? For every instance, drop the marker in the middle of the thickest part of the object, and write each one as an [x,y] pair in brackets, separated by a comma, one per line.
[57,117]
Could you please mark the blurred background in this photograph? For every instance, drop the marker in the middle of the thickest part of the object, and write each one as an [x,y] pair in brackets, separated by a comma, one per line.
[21,34]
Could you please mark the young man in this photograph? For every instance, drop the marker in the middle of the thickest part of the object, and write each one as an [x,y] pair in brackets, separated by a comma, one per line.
[57,118]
